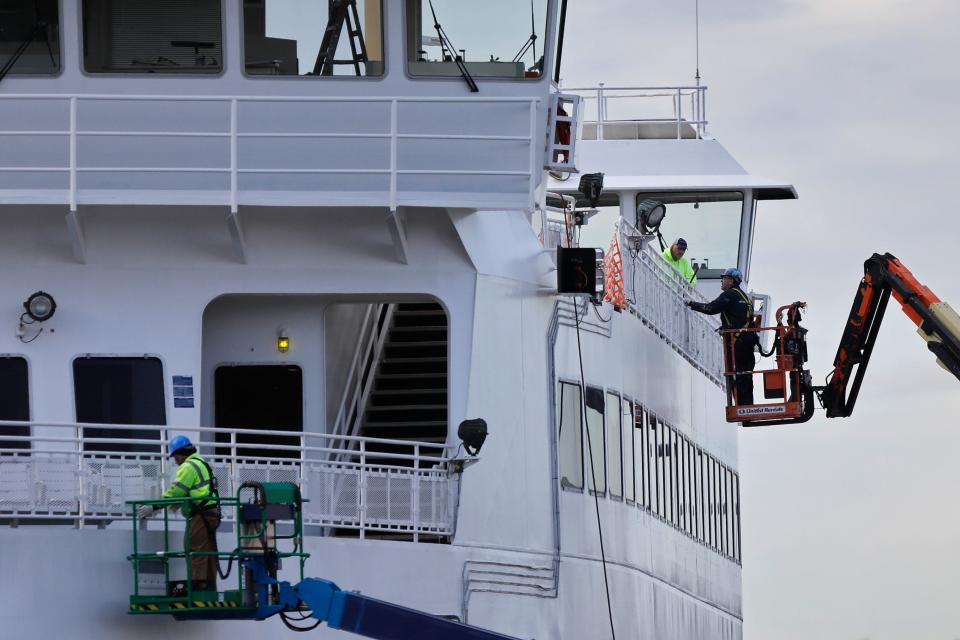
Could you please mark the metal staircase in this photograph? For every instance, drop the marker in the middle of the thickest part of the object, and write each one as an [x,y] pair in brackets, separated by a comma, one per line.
[409,396]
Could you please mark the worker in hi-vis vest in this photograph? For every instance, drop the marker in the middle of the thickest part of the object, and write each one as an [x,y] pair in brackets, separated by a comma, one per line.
[194,479]
[674,256]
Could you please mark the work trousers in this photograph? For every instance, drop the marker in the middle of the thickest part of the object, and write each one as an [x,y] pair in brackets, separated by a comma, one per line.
[203,528]
[744,360]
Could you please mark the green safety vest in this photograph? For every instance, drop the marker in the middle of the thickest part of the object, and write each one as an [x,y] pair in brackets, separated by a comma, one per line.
[682,265]
[193,480]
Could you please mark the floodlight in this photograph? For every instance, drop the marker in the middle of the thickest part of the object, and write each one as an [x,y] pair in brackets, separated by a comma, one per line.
[473,433]
[591,186]
[40,306]
[650,213]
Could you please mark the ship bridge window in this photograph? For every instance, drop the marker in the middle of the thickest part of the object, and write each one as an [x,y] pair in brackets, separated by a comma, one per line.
[14,403]
[493,39]
[35,23]
[146,36]
[313,37]
[119,390]
[708,221]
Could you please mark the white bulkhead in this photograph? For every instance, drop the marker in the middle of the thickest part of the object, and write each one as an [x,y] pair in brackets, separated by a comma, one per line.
[316,265]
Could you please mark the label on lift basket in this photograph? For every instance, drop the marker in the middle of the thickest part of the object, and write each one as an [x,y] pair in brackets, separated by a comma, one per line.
[772,409]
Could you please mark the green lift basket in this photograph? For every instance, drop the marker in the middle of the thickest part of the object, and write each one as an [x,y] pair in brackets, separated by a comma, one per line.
[259,507]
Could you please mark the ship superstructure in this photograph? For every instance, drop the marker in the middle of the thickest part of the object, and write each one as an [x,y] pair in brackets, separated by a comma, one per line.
[295,233]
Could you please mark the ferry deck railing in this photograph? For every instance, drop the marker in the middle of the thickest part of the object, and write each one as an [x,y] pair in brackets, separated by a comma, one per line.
[618,105]
[68,475]
[238,143]
[654,291]
[657,294]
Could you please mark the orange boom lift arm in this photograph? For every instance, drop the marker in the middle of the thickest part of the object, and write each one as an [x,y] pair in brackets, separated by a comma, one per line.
[936,322]
[884,275]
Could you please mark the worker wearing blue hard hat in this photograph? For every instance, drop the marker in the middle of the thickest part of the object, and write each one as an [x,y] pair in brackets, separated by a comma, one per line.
[736,312]
[194,480]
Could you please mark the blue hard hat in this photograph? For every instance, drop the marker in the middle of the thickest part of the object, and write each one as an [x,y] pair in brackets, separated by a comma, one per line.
[176,443]
[734,273]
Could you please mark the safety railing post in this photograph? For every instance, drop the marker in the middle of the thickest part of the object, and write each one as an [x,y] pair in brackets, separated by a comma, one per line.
[600,110]
[73,153]
[81,502]
[394,116]
[234,467]
[679,101]
[301,473]
[362,488]
[233,155]
[416,493]
[531,204]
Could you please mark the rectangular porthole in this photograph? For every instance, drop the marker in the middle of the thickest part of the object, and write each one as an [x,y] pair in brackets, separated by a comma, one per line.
[571,436]
[14,403]
[614,439]
[119,390]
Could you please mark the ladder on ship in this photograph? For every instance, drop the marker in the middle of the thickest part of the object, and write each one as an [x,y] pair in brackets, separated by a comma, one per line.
[342,12]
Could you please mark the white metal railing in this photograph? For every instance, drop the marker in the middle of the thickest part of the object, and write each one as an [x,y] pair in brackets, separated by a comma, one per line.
[553,224]
[657,293]
[238,123]
[68,475]
[615,105]
[374,329]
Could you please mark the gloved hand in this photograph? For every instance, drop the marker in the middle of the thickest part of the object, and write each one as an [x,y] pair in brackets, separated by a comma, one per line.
[145,511]
[689,303]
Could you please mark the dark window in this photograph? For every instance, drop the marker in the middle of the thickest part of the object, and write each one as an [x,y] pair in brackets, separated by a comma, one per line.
[262,397]
[571,436]
[14,401]
[641,455]
[146,36]
[629,449]
[36,22]
[614,440]
[736,515]
[120,391]
[656,431]
[596,458]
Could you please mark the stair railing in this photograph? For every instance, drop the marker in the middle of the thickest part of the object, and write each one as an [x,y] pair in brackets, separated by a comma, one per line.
[374,331]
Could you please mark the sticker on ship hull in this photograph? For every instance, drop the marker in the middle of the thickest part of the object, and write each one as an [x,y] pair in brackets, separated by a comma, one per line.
[762,411]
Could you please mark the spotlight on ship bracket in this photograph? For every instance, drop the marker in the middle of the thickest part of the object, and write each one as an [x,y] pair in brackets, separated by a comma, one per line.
[473,433]
[650,214]
[591,186]
[40,306]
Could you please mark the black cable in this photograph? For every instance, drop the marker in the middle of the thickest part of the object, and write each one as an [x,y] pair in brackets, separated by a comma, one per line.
[31,339]
[286,621]
[602,319]
[593,475]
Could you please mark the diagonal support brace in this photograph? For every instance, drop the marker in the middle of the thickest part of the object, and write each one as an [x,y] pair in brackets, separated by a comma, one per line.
[398,232]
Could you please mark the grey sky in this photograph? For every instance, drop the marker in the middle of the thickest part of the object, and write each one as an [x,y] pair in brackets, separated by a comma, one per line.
[851,527]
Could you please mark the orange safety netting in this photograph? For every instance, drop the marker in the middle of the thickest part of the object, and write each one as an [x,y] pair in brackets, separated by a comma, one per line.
[613,274]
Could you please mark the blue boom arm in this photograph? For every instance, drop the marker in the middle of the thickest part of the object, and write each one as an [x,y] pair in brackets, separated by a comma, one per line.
[355,613]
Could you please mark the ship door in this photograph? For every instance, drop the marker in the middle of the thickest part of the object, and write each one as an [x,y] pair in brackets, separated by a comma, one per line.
[266,398]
